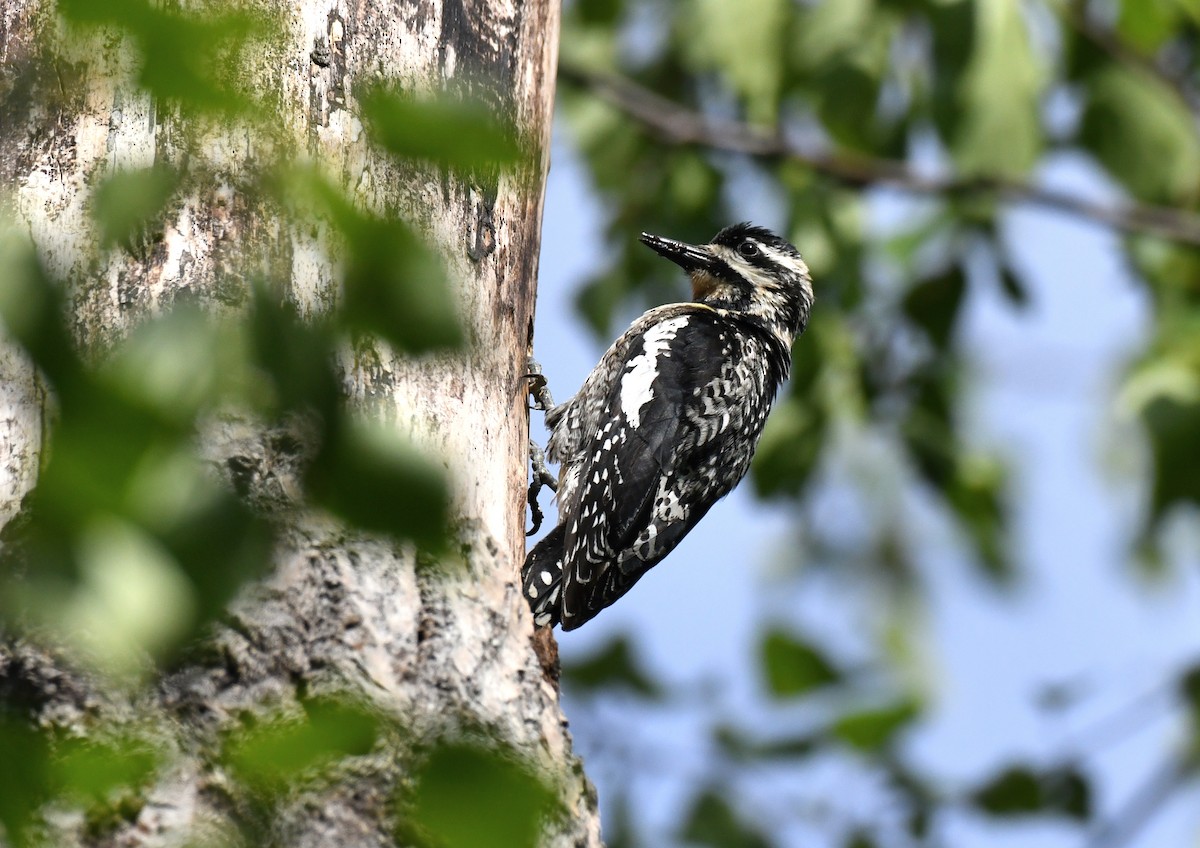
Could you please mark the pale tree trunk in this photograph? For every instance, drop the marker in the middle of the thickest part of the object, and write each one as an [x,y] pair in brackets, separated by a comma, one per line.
[340,611]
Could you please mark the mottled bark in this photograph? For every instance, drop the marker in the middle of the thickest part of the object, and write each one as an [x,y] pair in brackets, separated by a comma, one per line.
[339,612]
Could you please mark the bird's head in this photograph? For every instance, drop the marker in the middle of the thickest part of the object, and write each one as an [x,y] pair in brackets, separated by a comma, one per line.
[748,270]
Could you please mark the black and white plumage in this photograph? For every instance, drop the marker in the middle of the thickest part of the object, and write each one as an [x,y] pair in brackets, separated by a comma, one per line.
[667,422]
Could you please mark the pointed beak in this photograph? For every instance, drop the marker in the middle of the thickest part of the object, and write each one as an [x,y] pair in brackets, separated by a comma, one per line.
[689,257]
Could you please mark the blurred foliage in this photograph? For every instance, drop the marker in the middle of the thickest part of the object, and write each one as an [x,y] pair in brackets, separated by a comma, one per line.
[136,536]
[466,795]
[614,668]
[958,104]
[794,667]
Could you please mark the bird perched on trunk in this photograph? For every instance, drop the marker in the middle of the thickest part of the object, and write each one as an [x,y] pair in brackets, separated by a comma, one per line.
[667,422]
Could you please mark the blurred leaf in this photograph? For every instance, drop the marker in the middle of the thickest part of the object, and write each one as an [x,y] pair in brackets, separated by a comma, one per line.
[859,839]
[25,781]
[955,29]
[1000,132]
[1172,424]
[125,203]
[375,479]
[1141,134]
[977,498]
[712,821]
[113,12]
[90,770]
[1189,689]
[738,746]
[615,667]
[1011,285]
[934,305]
[826,30]
[794,667]
[1146,24]
[848,102]
[395,285]
[189,59]
[619,829]
[32,310]
[599,12]
[597,300]
[872,730]
[1023,791]
[295,355]
[182,364]
[929,430]
[1015,791]
[744,43]
[793,440]
[273,754]
[460,136]
[470,797]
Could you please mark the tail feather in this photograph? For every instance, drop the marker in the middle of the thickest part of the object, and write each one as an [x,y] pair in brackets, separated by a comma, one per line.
[541,578]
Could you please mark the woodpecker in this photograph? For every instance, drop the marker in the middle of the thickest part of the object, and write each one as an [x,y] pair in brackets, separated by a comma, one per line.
[667,422]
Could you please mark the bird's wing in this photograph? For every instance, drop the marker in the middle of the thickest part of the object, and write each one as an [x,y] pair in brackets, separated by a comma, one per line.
[642,442]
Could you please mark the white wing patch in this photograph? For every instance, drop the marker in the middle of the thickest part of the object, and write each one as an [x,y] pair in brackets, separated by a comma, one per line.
[637,384]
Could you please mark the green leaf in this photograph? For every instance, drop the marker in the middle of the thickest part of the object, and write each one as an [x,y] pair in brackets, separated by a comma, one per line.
[1023,791]
[873,730]
[602,13]
[744,43]
[1172,424]
[375,479]
[1189,688]
[274,754]
[953,29]
[182,364]
[295,356]
[125,203]
[794,667]
[193,60]
[90,770]
[827,30]
[396,286]
[32,310]
[934,305]
[977,497]
[471,797]
[25,781]
[735,744]
[848,102]
[1013,288]
[1142,134]
[614,667]
[1000,132]
[793,440]
[713,822]
[1147,24]
[460,136]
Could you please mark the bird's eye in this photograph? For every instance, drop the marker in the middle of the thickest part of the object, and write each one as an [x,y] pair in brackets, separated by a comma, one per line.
[748,248]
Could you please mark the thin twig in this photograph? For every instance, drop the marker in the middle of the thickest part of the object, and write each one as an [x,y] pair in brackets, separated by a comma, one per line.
[677,124]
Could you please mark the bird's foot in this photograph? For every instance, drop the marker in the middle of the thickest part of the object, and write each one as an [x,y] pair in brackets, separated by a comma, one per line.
[539,389]
[541,478]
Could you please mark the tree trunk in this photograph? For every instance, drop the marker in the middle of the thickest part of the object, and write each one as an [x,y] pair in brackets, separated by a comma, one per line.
[340,611]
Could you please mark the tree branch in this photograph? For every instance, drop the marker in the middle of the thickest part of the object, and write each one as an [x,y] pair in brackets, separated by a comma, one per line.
[676,124]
